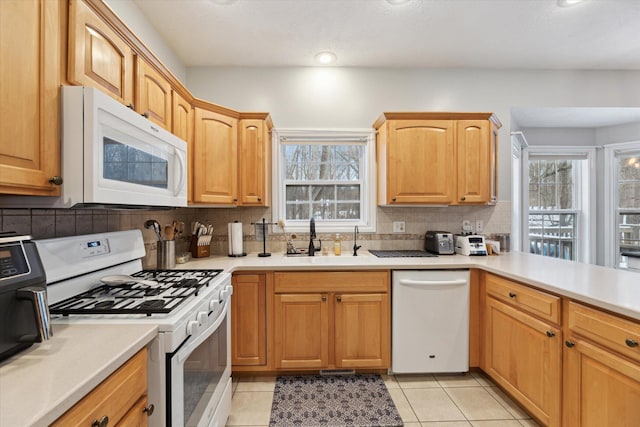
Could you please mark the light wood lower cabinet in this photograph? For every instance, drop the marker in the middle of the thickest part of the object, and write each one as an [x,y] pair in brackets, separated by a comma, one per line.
[601,369]
[523,345]
[327,320]
[121,398]
[248,320]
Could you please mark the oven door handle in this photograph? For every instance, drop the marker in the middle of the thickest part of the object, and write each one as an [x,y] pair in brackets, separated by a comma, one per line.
[185,352]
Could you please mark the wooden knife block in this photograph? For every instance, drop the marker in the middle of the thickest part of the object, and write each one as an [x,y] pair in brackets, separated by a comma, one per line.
[202,251]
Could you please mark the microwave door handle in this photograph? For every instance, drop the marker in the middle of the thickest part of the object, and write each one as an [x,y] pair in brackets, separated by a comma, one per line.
[182,182]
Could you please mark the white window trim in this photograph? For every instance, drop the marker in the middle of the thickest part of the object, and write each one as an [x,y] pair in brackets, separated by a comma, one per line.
[518,143]
[367,223]
[586,227]
[611,241]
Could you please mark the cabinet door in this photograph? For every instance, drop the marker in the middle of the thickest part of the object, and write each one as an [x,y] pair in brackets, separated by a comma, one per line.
[137,416]
[30,80]
[524,355]
[215,161]
[98,57]
[182,127]
[248,320]
[362,330]
[301,330]
[474,161]
[601,388]
[420,162]
[255,148]
[153,95]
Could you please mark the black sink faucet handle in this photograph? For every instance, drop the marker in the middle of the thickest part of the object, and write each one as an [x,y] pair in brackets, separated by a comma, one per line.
[355,241]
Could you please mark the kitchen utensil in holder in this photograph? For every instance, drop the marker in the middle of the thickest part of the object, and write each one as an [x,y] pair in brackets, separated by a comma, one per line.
[262,231]
[166,254]
[200,248]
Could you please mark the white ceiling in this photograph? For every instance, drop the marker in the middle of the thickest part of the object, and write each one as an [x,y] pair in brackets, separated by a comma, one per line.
[525,34]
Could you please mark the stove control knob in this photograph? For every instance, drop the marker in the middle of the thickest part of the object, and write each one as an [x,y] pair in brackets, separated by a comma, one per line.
[192,325]
[202,317]
[213,304]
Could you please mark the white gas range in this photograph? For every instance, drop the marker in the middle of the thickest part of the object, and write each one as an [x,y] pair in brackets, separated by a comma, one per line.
[189,362]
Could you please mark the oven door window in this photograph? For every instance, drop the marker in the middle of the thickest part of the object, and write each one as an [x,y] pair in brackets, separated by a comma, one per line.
[202,372]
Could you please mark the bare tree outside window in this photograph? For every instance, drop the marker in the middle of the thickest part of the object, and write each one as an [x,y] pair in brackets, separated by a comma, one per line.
[552,208]
[323,181]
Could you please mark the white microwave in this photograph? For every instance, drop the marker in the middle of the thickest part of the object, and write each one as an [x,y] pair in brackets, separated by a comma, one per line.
[115,157]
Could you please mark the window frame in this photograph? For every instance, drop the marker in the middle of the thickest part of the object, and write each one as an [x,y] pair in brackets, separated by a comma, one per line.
[585,201]
[611,206]
[366,137]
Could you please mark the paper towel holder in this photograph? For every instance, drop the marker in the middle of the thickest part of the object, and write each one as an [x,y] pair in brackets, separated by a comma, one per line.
[232,255]
[261,229]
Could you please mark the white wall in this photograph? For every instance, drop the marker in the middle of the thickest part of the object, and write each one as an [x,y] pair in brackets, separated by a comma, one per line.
[570,137]
[132,16]
[355,97]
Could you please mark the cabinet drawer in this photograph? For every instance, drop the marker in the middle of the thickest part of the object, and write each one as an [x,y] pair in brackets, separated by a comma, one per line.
[113,397]
[535,302]
[332,281]
[613,332]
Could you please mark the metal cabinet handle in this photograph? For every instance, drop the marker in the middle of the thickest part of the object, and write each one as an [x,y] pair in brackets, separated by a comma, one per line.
[512,295]
[103,422]
[131,106]
[463,198]
[324,297]
[235,200]
[146,114]
[259,199]
[631,343]
[339,298]
[393,199]
[149,409]
[551,334]
[56,180]
[569,343]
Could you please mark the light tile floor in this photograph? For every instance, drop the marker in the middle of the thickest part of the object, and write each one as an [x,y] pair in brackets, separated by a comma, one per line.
[422,401]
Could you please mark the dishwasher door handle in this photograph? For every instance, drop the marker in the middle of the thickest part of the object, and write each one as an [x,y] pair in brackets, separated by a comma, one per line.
[432,283]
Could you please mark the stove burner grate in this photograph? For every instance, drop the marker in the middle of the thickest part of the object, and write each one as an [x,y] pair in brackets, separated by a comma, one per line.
[173,288]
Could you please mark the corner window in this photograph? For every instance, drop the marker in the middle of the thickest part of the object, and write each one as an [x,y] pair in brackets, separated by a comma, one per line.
[325,175]
[559,209]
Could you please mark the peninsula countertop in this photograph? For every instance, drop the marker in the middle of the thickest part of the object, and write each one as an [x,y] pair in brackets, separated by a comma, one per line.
[615,290]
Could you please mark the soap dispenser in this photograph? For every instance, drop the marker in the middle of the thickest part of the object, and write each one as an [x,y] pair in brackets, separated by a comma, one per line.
[337,245]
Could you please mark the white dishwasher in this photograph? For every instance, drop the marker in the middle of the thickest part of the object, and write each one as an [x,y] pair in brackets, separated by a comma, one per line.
[430,321]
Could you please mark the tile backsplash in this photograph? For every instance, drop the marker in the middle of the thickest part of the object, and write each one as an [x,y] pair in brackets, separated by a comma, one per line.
[48,223]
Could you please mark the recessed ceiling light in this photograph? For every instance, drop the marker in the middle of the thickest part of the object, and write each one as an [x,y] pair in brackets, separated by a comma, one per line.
[567,3]
[326,58]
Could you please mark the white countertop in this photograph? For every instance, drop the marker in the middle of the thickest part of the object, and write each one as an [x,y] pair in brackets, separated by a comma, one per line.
[43,382]
[607,288]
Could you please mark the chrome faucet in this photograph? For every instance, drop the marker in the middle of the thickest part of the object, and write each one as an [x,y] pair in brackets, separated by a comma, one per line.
[355,241]
[312,235]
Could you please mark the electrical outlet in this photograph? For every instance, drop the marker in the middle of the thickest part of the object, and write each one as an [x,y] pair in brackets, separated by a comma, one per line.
[398,226]
[479,226]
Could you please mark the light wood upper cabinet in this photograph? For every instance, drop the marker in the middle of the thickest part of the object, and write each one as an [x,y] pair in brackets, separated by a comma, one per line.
[153,95]
[98,56]
[248,320]
[436,158]
[215,158]
[182,126]
[30,48]
[255,161]
[419,162]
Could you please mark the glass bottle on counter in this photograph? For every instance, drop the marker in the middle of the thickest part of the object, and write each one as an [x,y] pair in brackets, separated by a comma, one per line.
[337,245]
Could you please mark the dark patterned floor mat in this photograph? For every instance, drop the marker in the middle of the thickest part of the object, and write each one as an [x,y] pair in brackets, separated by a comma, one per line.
[336,400]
